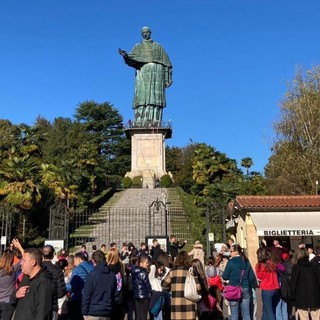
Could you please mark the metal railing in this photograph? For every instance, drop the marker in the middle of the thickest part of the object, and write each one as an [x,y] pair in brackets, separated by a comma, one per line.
[148,124]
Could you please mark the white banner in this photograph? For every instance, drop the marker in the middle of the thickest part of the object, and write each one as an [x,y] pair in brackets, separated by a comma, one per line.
[288,232]
[3,240]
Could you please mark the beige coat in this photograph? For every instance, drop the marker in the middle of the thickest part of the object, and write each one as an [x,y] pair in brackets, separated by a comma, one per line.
[197,252]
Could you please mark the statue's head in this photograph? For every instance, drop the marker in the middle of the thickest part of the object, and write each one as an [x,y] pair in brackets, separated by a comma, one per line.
[146,33]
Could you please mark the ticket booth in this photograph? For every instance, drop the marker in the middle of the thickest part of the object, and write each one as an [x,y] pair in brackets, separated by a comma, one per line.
[291,219]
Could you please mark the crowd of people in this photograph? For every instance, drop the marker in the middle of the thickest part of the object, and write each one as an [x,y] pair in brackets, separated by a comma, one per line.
[149,283]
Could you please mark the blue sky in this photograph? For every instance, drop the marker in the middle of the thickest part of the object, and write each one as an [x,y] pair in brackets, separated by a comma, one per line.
[231,62]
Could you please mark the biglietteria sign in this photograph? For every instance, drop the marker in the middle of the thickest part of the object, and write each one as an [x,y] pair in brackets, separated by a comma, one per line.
[288,232]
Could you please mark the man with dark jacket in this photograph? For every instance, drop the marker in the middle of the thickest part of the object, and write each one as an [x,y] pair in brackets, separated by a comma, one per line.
[76,285]
[155,250]
[174,246]
[99,290]
[57,275]
[34,297]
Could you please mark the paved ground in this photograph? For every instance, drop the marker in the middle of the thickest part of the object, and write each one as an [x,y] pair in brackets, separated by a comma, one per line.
[259,309]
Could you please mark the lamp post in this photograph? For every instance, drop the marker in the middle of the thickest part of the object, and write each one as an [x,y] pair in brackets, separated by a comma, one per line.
[207,231]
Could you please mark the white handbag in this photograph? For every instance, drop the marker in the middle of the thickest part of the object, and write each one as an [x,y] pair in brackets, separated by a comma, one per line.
[190,288]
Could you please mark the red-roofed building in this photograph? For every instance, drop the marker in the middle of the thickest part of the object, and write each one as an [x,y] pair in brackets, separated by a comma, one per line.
[291,219]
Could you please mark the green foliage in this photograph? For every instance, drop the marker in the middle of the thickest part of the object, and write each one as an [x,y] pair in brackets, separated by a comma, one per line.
[72,160]
[214,174]
[247,163]
[294,165]
[102,198]
[127,183]
[254,184]
[179,163]
[113,181]
[166,181]
[195,214]
[137,182]
[104,123]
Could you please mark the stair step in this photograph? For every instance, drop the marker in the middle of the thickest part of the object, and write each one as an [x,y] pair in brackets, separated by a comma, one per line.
[128,211]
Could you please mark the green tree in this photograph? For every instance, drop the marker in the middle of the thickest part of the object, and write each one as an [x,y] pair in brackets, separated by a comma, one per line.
[210,167]
[179,163]
[104,124]
[247,163]
[294,165]
[19,171]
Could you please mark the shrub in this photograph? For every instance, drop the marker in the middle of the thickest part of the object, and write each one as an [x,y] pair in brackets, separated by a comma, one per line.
[166,181]
[113,181]
[137,182]
[126,182]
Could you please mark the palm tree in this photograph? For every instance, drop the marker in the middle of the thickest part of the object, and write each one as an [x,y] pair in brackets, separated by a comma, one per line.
[19,184]
[247,163]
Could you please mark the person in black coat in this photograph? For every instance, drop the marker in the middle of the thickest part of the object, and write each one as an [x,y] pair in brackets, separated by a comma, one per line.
[174,246]
[57,275]
[34,297]
[142,290]
[155,250]
[305,287]
[99,289]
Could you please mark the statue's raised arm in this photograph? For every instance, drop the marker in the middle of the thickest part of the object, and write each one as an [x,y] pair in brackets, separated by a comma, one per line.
[153,75]
[122,52]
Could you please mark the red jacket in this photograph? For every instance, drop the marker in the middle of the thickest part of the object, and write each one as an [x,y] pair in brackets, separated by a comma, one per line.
[268,279]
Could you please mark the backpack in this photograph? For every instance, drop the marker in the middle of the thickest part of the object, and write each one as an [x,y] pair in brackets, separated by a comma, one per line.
[285,287]
[119,297]
[215,281]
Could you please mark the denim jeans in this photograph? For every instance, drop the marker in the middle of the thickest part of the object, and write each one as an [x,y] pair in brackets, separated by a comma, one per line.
[281,310]
[244,304]
[159,316]
[270,300]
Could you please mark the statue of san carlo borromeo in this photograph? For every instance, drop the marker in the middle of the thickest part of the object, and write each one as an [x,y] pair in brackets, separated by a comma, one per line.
[153,76]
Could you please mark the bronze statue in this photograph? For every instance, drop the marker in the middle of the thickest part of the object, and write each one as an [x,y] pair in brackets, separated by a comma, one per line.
[153,75]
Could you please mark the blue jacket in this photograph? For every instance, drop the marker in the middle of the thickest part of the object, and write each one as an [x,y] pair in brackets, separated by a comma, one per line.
[141,285]
[233,271]
[99,292]
[78,278]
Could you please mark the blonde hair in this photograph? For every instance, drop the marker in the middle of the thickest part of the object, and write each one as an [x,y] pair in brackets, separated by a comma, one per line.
[6,262]
[113,256]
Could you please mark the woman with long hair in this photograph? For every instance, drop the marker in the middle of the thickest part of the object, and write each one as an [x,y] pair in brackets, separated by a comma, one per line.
[239,272]
[305,287]
[8,275]
[266,271]
[207,303]
[158,272]
[181,308]
[116,266]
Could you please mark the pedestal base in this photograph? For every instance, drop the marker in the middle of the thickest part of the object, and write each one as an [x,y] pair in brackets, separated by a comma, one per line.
[148,153]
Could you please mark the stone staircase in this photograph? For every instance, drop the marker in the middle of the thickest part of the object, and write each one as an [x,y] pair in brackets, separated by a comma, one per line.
[128,217]
[180,225]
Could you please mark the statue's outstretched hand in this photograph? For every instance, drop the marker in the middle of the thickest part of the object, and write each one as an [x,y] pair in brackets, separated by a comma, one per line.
[168,84]
[122,52]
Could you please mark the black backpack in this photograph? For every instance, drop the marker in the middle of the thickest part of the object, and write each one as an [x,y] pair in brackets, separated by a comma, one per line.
[285,286]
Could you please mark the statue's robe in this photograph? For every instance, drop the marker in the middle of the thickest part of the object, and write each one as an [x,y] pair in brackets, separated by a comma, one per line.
[153,75]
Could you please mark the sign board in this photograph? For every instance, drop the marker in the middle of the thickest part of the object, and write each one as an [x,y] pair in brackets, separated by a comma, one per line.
[162,240]
[57,244]
[211,236]
[3,240]
[231,224]
[288,232]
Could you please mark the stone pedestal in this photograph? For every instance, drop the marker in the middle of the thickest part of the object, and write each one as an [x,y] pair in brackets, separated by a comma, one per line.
[148,153]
